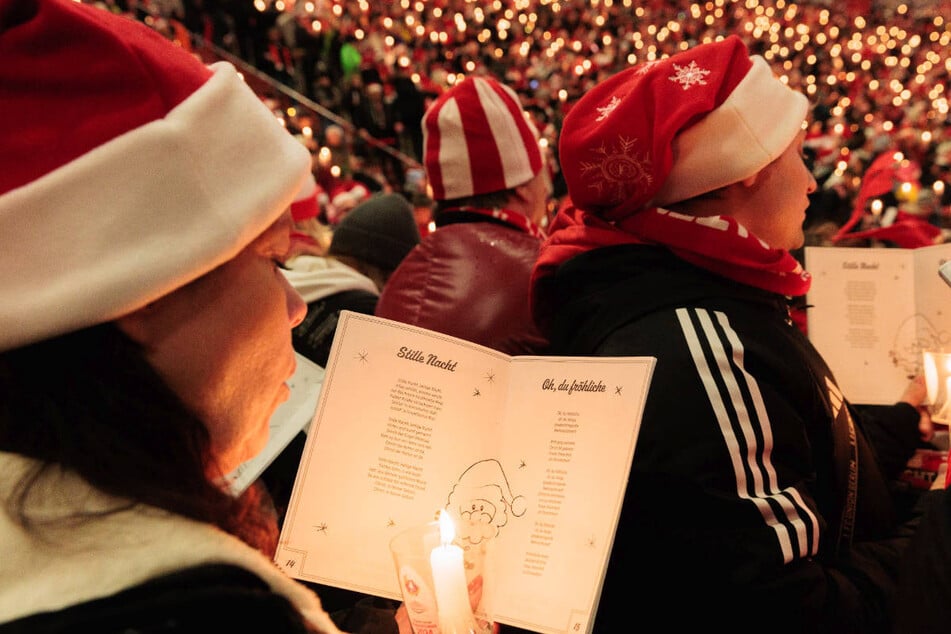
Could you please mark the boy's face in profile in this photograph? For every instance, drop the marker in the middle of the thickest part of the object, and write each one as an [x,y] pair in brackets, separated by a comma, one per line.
[781,190]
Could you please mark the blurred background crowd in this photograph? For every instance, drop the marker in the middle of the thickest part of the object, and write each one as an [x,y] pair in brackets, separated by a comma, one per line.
[352,78]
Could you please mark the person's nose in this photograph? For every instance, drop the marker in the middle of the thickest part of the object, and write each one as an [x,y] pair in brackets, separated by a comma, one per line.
[296,307]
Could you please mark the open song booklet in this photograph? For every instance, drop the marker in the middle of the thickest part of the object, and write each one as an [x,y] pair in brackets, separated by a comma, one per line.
[874,311]
[410,421]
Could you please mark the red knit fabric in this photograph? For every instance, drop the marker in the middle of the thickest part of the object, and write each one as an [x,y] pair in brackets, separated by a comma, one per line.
[478,140]
[616,144]
[108,95]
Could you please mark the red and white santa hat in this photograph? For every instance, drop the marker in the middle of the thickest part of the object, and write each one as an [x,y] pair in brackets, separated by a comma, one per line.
[305,204]
[346,194]
[667,130]
[478,140]
[127,167]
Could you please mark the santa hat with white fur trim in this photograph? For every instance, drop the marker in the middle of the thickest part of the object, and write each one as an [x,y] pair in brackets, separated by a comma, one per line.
[478,140]
[305,204]
[127,167]
[667,130]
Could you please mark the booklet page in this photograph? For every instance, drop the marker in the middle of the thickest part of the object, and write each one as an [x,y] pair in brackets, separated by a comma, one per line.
[410,421]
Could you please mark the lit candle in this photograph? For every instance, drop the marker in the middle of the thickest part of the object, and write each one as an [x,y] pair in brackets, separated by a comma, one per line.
[449,583]
[905,190]
[942,414]
[945,407]
[937,372]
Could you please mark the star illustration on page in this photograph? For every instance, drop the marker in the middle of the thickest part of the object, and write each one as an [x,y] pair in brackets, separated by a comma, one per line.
[362,356]
[604,111]
[321,528]
[490,377]
[689,76]
[476,392]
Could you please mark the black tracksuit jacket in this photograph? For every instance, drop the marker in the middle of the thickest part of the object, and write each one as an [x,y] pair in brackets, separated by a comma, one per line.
[734,513]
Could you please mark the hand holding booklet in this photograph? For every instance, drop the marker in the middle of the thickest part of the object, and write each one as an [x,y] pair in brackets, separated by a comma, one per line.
[410,421]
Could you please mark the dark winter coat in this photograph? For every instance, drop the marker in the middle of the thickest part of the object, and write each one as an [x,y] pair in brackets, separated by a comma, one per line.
[135,569]
[209,598]
[735,509]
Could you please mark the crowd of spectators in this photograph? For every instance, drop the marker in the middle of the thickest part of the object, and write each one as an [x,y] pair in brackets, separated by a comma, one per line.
[876,73]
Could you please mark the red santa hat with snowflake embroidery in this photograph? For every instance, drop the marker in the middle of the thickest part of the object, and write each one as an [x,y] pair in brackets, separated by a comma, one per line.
[477,140]
[667,130]
[127,168]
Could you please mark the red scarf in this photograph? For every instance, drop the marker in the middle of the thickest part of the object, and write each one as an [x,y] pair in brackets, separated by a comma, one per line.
[717,243]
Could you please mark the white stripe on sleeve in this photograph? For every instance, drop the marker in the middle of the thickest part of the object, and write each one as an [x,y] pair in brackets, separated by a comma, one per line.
[764,485]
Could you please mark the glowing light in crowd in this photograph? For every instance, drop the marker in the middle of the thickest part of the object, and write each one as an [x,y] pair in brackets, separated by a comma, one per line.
[866,73]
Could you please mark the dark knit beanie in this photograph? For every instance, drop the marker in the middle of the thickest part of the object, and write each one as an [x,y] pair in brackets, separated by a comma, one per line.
[380,231]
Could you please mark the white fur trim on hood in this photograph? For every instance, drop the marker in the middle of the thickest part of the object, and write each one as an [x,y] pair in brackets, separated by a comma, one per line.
[87,560]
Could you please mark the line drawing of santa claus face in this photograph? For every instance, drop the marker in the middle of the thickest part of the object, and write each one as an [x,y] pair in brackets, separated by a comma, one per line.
[481,501]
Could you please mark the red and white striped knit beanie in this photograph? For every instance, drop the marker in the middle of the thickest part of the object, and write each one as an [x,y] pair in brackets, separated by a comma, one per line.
[127,167]
[478,140]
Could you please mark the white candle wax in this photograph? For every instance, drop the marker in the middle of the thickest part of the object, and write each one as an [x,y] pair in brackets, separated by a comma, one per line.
[449,583]
[943,413]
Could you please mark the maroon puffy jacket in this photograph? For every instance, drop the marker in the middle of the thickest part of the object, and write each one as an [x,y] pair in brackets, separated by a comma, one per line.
[469,280]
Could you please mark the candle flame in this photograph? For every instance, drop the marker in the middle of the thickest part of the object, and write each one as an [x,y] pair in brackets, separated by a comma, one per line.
[447,530]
